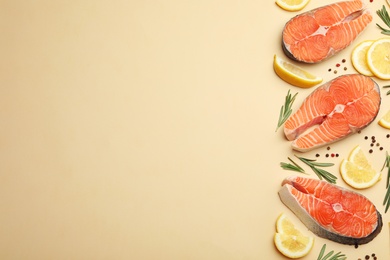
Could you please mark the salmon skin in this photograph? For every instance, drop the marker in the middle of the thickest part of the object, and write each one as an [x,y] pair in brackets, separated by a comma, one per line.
[330,211]
[318,34]
[333,111]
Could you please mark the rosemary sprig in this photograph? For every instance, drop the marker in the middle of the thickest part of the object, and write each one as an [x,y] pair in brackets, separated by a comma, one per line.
[388,92]
[293,166]
[313,164]
[285,110]
[337,256]
[321,173]
[386,201]
[384,15]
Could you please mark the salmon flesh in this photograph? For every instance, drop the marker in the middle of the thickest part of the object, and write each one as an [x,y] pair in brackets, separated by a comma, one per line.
[318,34]
[333,111]
[330,211]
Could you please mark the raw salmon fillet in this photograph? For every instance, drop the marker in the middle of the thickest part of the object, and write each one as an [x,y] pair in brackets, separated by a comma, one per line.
[330,211]
[322,32]
[333,111]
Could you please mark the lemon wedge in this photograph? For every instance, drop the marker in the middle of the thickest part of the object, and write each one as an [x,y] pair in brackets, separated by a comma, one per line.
[385,120]
[358,57]
[378,58]
[292,5]
[294,75]
[357,171]
[289,240]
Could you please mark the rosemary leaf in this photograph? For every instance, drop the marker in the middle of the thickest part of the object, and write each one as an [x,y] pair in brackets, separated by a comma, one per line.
[322,164]
[321,252]
[285,110]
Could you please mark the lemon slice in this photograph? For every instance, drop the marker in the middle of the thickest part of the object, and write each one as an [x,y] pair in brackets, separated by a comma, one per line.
[289,240]
[385,120]
[378,58]
[294,75]
[357,171]
[358,57]
[292,5]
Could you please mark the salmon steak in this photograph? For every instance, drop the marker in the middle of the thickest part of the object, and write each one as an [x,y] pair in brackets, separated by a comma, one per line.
[333,111]
[330,211]
[316,35]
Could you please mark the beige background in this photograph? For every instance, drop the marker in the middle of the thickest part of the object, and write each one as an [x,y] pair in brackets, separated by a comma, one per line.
[146,130]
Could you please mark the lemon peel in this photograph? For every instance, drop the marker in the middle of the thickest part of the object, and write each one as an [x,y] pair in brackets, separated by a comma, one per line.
[294,75]
[292,5]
